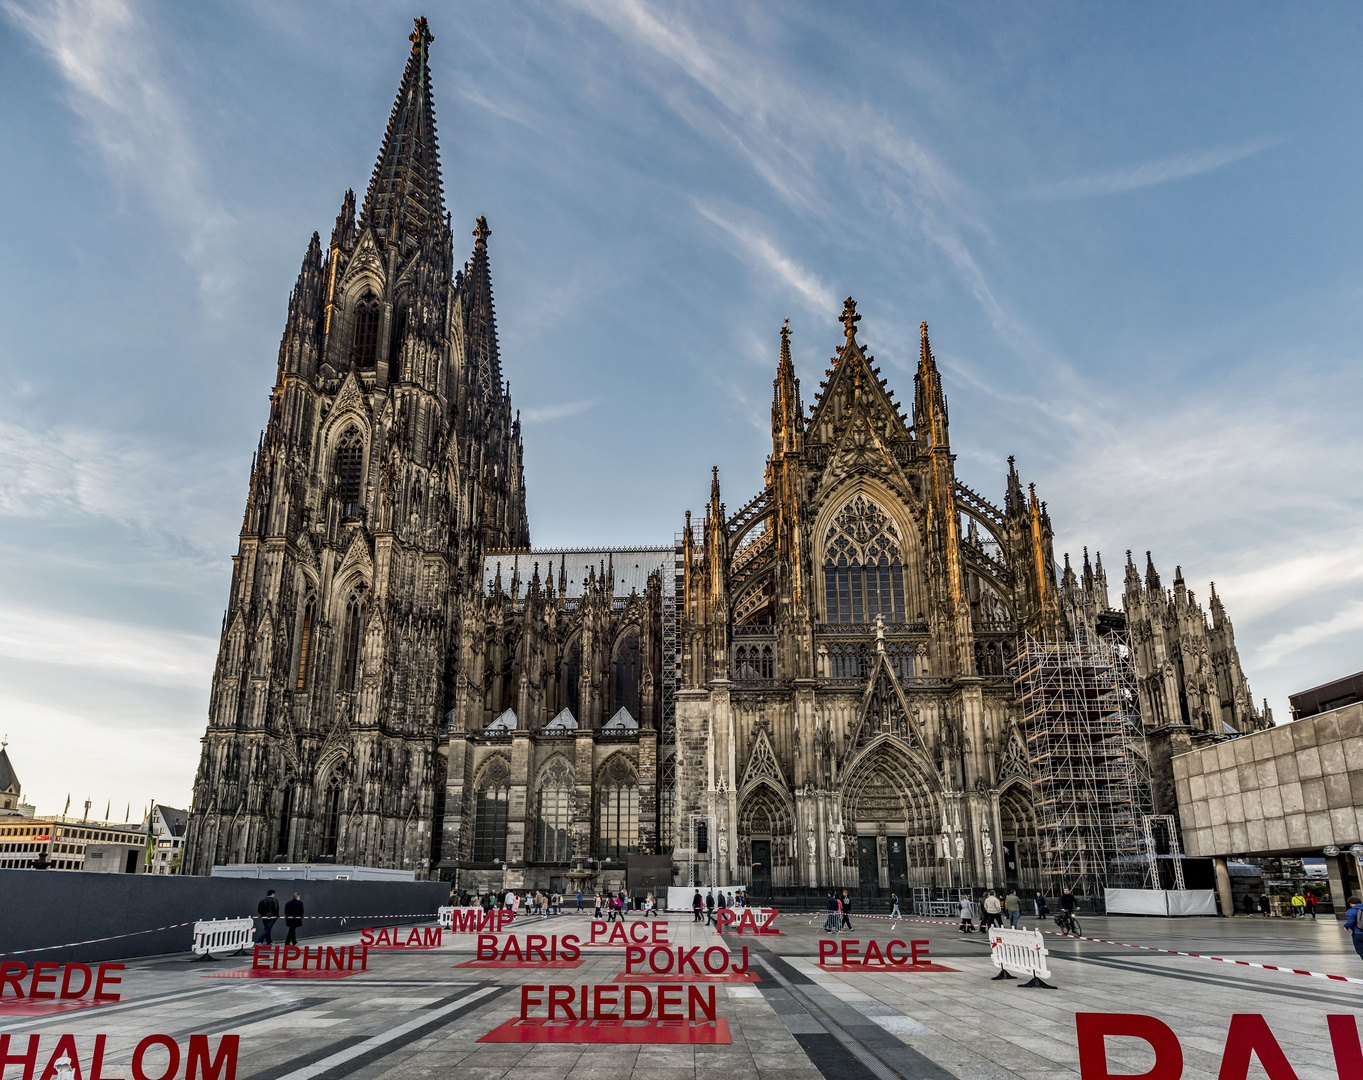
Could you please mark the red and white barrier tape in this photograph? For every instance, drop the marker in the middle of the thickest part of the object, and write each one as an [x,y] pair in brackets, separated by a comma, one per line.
[1145,948]
[176,926]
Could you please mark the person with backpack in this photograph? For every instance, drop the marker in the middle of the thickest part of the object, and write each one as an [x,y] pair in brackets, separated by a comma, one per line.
[1311,902]
[268,910]
[1353,922]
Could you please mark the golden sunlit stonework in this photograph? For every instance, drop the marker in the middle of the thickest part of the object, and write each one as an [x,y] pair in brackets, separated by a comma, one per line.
[820,686]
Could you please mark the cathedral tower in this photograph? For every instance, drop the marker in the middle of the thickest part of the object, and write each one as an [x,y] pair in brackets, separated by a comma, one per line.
[390,460]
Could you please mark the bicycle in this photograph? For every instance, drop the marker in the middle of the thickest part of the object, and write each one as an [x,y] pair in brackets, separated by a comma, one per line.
[1068,923]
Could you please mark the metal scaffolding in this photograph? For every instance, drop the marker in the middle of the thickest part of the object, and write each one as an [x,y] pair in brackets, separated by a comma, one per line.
[1091,779]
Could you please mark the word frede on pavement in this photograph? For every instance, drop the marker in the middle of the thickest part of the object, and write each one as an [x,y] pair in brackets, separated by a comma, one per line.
[427,937]
[726,918]
[639,933]
[199,1061]
[12,974]
[1248,1037]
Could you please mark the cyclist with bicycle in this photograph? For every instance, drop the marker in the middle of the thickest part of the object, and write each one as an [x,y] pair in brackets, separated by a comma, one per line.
[1065,920]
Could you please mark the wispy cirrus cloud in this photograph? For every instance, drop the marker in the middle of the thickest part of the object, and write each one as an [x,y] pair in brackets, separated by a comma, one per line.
[545,413]
[1150,173]
[106,55]
[1347,620]
[758,250]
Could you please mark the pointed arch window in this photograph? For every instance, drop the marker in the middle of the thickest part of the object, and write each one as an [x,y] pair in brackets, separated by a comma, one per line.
[305,646]
[352,643]
[349,470]
[863,567]
[617,833]
[285,820]
[490,815]
[554,813]
[366,331]
[331,817]
[626,673]
[395,372]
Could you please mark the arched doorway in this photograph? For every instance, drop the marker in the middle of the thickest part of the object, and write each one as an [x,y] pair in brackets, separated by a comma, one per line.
[891,804]
[1017,825]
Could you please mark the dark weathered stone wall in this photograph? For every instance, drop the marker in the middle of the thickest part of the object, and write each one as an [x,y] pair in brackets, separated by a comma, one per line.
[49,908]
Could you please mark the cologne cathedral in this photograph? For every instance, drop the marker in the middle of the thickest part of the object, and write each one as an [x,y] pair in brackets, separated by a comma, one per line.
[814,690]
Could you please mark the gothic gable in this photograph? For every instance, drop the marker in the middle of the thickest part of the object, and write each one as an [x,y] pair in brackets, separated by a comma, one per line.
[884,710]
[762,764]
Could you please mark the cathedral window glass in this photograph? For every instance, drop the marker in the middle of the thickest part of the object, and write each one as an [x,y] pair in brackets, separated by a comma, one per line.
[618,821]
[353,643]
[863,567]
[366,331]
[626,674]
[285,820]
[395,372]
[305,647]
[331,817]
[489,830]
[349,468]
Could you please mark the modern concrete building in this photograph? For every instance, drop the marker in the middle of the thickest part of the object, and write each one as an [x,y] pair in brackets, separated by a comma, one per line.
[1296,790]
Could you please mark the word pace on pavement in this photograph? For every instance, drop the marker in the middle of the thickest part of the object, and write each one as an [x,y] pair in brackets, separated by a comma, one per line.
[201,1062]
[1248,1037]
[45,973]
[639,933]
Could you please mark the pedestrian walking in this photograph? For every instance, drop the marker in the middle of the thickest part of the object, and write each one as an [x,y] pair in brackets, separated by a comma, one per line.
[1013,906]
[1249,904]
[1264,906]
[1040,904]
[1353,922]
[967,913]
[993,910]
[1311,903]
[846,912]
[293,918]
[579,899]
[696,905]
[894,906]
[830,923]
[650,908]
[1298,905]
[268,910]
[624,904]
[710,908]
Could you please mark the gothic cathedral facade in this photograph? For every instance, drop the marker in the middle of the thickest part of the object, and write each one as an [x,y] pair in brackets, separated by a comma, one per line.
[812,691]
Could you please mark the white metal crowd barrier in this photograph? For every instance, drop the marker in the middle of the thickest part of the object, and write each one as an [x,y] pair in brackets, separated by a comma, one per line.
[446,916]
[213,936]
[1022,950]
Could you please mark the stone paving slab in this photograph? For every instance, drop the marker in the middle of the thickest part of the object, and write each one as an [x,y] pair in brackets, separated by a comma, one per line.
[415,1015]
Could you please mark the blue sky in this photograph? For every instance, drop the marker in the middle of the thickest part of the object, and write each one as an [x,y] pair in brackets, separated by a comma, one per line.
[1133,229]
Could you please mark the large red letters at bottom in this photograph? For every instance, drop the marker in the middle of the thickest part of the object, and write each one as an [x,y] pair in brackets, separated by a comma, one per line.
[199,1061]
[1248,1037]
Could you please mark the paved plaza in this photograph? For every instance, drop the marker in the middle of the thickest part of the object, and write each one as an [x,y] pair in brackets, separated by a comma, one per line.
[415,1014]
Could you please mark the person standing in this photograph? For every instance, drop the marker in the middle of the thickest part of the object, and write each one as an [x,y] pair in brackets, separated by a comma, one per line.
[1311,903]
[597,902]
[696,905]
[894,906]
[1353,922]
[293,918]
[624,904]
[1298,905]
[967,912]
[830,923]
[846,912]
[579,899]
[1013,906]
[993,910]
[1040,904]
[268,910]
[1264,906]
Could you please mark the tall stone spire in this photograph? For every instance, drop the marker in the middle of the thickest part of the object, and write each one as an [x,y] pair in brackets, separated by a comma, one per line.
[404,197]
[929,404]
[480,319]
[787,421]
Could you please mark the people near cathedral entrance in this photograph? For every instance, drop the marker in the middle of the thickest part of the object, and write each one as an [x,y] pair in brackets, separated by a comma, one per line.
[697,906]
[894,906]
[845,911]
[1039,904]
[1013,906]
[966,909]
[268,911]
[993,911]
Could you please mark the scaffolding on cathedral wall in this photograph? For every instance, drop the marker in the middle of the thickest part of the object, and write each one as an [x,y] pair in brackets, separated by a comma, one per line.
[1091,779]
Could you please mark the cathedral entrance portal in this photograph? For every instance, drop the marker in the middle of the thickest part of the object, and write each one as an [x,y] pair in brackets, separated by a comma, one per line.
[868,866]
[897,856]
[761,867]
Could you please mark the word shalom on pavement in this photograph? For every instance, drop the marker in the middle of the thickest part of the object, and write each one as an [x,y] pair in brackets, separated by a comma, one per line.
[200,1062]
[1248,1037]
[611,1013]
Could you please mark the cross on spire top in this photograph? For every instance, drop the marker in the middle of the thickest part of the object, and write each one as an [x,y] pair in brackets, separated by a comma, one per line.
[849,317]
